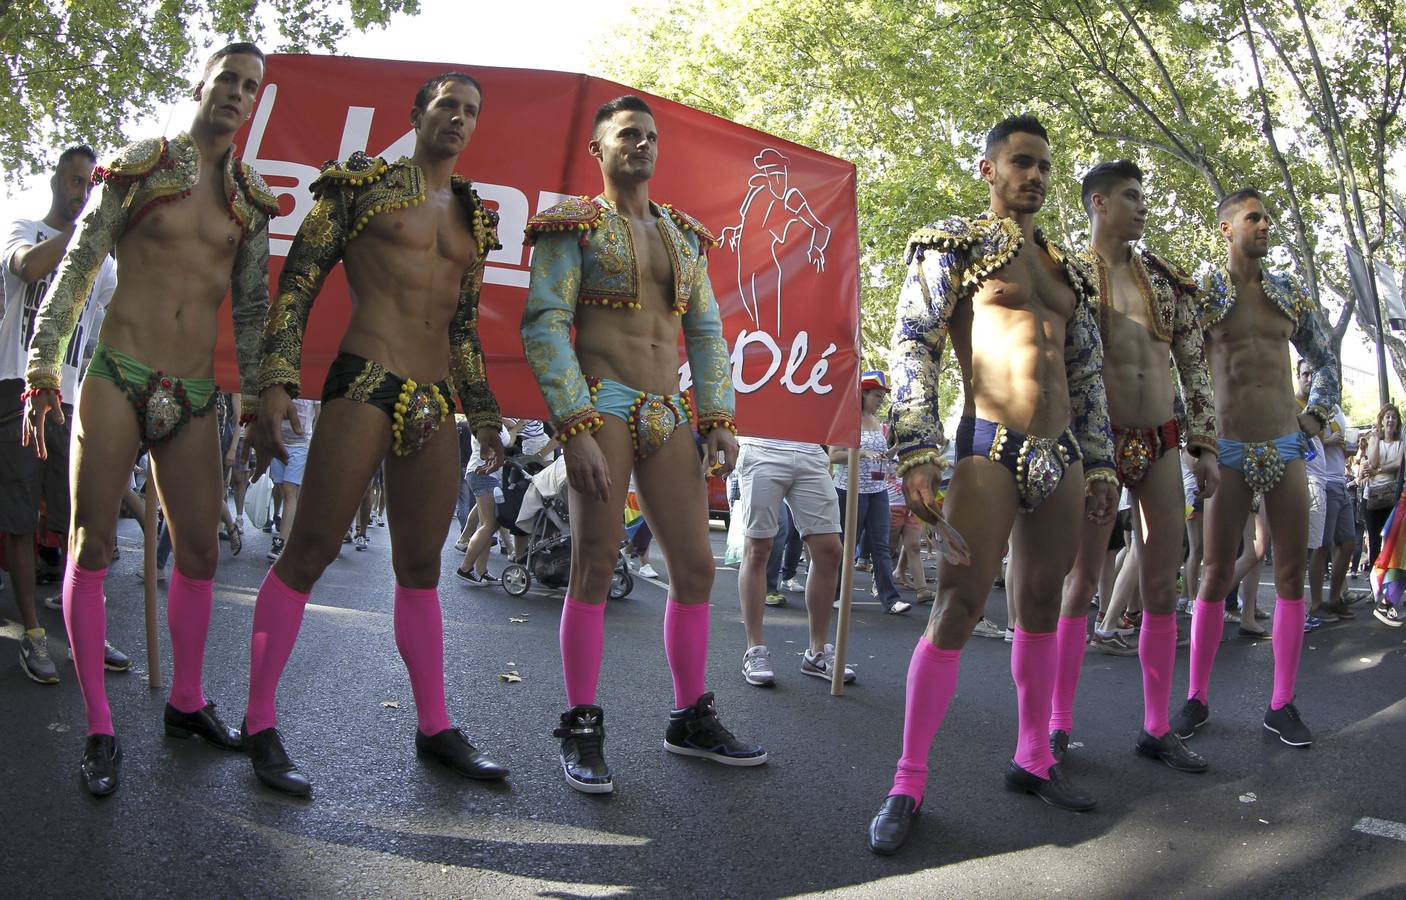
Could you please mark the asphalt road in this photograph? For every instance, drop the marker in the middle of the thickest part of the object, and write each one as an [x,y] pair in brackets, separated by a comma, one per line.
[1266,821]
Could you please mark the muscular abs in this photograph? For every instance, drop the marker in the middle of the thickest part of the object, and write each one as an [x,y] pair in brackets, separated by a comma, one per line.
[639,348]
[1248,353]
[404,272]
[1009,340]
[1136,365]
[174,270]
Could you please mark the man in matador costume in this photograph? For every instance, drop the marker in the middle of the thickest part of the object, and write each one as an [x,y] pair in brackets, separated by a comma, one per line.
[628,274]
[1148,319]
[1034,451]
[413,237]
[1250,315]
[188,222]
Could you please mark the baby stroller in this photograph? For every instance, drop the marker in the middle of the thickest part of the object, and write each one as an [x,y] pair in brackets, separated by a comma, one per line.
[543,516]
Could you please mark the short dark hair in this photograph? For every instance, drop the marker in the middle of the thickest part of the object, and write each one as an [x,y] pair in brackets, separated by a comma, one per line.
[619,104]
[427,90]
[1104,177]
[1010,125]
[231,50]
[77,150]
[1233,200]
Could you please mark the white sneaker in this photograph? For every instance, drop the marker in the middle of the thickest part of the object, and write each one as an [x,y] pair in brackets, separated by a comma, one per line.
[988,629]
[648,571]
[793,586]
[756,666]
[899,608]
[1010,635]
[822,664]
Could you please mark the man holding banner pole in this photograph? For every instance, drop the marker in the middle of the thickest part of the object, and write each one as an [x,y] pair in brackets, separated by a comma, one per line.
[1034,451]
[413,237]
[629,275]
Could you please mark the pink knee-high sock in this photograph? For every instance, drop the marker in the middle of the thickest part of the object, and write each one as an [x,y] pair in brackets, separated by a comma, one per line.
[1288,646]
[1157,651]
[582,637]
[1207,624]
[85,618]
[419,636]
[932,680]
[1034,658]
[188,603]
[686,646]
[278,614]
[1072,638]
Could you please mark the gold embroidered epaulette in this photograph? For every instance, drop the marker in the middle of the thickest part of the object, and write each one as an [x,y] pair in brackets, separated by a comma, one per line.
[1182,283]
[706,238]
[131,162]
[484,220]
[1077,269]
[992,242]
[358,169]
[257,190]
[571,214]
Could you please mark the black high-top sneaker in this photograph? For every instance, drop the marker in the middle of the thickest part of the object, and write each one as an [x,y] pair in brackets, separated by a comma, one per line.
[696,731]
[582,734]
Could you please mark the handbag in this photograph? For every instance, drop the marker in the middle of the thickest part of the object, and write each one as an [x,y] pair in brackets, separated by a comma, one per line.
[258,500]
[1380,494]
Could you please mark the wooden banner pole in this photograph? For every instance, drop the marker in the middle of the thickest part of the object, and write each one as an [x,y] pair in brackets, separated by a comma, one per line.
[151,571]
[837,677]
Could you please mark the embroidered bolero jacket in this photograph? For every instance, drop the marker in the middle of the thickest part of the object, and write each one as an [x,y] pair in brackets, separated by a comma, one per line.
[1175,318]
[585,256]
[1310,338]
[348,195]
[949,261]
[140,177]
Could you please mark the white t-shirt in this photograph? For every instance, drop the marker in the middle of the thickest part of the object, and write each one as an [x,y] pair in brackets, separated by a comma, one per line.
[476,459]
[22,306]
[306,410]
[1335,458]
[779,444]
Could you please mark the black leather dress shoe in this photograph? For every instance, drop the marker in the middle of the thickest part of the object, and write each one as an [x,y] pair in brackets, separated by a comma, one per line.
[1171,750]
[452,750]
[272,765]
[202,723]
[1194,713]
[101,754]
[888,830]
[1054,789]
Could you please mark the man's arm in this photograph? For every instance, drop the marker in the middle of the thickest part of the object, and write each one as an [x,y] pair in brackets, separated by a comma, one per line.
[925,305]
[546,333]
[249,306]
[316,249]
[1189,351]
[1310,339]
[1088,403]
[31,262]
[709,360]
[94,238]
[466,357]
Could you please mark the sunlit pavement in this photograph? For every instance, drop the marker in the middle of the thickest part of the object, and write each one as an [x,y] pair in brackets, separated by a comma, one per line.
[1267,820]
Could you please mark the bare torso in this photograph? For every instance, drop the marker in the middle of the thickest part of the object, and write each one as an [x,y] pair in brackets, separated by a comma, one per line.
[174,270]
[1009,340]
[1136,365]
[1248,352]
[404,270]
[638,348]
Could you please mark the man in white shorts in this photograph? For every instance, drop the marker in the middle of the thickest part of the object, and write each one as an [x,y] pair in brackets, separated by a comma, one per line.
[770,472]
[1332,528]
[288,477]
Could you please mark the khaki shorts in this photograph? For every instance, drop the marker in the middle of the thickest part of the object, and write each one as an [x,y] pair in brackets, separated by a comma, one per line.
[1317,512]
[766,476]
[900,517]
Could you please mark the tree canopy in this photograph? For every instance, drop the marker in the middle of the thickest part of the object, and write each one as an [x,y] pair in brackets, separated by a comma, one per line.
[77,71]
[1300,99]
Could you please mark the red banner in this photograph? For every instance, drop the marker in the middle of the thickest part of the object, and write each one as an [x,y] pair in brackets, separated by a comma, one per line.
[786,277]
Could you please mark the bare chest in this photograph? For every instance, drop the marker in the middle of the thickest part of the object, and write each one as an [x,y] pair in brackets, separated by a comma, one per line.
[1029,283]
[1253,319]
[201,219]
[437,230]
[652,257]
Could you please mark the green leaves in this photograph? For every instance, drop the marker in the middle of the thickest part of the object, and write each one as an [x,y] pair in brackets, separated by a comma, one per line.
[77,70]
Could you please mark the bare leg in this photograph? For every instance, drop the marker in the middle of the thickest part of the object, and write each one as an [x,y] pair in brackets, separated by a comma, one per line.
[1193,557]
[290,493]
[476,556]
[1125,584]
